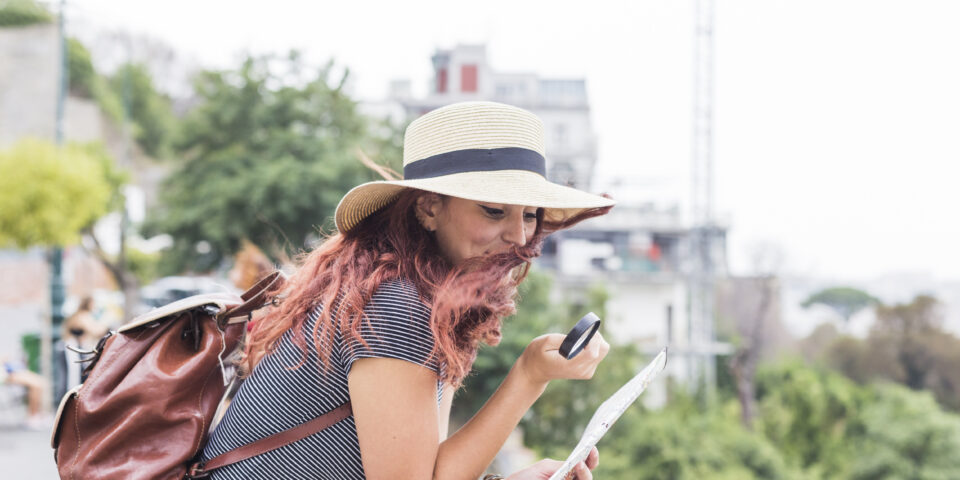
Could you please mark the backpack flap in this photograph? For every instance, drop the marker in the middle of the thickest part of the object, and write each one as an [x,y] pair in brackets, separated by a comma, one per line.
[222,301]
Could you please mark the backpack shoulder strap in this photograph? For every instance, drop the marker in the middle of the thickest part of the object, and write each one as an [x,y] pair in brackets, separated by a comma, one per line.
[256,296]
[273,442]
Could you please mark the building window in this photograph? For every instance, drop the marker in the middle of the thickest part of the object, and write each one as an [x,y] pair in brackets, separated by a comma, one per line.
[442,80]
[468,78]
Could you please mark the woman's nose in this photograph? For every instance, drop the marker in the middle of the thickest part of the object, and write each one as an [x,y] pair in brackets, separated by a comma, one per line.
[515,231]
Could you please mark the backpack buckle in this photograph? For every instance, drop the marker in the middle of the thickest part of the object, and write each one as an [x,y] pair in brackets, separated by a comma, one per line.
[196,471]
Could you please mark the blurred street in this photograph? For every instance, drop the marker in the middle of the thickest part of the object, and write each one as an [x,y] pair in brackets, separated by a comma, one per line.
[26,454]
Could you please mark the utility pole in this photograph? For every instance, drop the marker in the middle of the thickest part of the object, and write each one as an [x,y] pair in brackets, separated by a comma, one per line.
[703,231]
[57,290]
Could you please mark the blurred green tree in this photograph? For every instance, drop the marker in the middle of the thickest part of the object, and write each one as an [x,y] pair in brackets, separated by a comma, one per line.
[926,356]
[812,423]
[846,301]
[807,413]
[265,155]
[144,266]
[681,442]
[830,427]
[81,74]
[814,346]
[863,361]
[50,194]
[148,110]
[128,95]
[908,345]
[20,13]
[904,434]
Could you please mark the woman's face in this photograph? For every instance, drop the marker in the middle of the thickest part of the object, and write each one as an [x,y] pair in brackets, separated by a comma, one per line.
[467,228]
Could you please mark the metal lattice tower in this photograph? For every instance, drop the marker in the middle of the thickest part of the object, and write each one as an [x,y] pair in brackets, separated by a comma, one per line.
[702,236]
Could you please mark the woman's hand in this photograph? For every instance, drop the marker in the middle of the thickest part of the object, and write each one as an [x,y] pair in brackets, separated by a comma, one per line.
[543,469]
[541,360]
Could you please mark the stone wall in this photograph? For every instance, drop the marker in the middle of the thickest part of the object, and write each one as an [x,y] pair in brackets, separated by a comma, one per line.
[29,72]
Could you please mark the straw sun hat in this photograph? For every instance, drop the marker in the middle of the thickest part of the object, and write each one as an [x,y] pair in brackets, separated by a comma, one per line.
[482,151]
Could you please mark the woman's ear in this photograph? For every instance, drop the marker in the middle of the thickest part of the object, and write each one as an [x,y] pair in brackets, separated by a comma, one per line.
[427,209]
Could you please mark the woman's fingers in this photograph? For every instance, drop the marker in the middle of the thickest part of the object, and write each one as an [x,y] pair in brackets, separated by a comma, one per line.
[542,361]
[598,346]
[541,470]
[581,472]
[591,356]
[550,341]
[593,459]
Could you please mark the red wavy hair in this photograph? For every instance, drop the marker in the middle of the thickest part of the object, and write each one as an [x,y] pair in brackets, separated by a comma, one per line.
[467,301]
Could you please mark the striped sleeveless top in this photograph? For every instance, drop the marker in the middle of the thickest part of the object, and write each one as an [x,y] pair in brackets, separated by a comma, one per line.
[276,398]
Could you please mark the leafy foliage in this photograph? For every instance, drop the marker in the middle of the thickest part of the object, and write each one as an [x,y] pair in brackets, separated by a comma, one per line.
[20,13]
[266,154]
[80,69]
[678,442]
[904,434]
[49,194]
[807,414]
[907,345]
[145,266]
[127,95]
[830,427]
[148,110]
[844,300]
[812,423]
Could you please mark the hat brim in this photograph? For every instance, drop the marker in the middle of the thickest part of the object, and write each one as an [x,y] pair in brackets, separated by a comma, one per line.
[512,187]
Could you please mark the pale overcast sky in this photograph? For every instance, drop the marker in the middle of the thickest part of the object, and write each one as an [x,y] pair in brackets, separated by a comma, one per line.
[836,122]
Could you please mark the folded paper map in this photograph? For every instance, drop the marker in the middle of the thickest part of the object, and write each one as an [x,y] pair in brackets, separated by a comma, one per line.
[609,412]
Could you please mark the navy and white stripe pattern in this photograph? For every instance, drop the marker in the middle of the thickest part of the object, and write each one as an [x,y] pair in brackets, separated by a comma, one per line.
[276,398]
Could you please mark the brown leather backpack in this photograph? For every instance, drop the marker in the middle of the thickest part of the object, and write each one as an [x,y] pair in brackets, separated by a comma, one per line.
[153,388]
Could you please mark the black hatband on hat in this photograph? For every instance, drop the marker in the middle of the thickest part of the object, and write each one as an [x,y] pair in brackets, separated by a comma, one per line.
[476,160]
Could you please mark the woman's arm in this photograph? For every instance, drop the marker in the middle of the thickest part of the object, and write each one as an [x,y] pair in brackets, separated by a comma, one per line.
[469,451]
[446,403]
[396,413]
[395,409]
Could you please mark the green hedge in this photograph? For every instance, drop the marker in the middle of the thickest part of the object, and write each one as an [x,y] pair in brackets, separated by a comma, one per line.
[19,13]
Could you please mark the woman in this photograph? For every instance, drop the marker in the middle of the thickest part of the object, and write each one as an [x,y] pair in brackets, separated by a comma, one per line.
[388,313]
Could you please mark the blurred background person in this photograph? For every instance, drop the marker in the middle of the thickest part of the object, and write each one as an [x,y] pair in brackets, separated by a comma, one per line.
[81,332]
[250,266]
[15,372]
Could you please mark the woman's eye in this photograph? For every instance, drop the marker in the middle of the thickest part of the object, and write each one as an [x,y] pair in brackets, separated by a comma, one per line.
[493,212]
[530,217]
